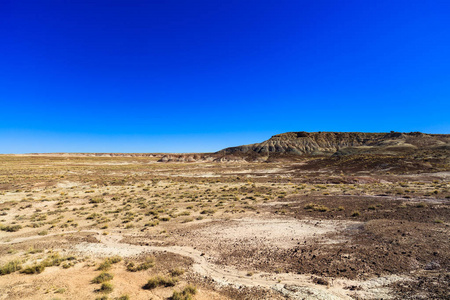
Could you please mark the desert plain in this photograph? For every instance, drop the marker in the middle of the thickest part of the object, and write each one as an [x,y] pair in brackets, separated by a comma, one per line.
[85,226]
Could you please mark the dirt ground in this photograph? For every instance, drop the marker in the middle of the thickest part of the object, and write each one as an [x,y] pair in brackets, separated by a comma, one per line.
[310,229]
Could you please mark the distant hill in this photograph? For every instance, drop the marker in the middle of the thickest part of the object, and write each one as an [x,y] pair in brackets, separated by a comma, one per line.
[343,143]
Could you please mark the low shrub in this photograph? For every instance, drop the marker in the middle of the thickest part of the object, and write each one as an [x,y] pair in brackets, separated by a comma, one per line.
[316,207]
[158,280]
[10,267]
[106,288]
[96,200]
[185,294]
[207,211]
[176,272]
[34,269]
[50,261]
[356,213]
[103,277]
[309,206]
[10,228]
[148,263]
[106,264]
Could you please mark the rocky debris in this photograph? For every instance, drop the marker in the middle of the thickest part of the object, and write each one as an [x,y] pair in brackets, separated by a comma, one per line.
[433,265]
[305,292]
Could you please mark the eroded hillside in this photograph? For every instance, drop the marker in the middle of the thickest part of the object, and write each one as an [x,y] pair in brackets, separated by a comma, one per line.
[328,143]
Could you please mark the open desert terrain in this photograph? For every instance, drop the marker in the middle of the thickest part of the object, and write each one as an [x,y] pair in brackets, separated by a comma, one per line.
[123,226]
[224,150]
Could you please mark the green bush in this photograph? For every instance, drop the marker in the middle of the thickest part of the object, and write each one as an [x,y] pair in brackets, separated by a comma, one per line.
[309,206]
[34,269]
[157,281]
[97,200]
[316,207]
[356,213]
[106,264]
[10,267]
[103,277]
[176,272]
[52,260]
[10,228]
[56,260]
[106,287]
[152,224]
[148,263]
[185,294]
[115,259]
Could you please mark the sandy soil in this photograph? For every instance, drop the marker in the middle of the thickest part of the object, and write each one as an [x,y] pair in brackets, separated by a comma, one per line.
[311,229]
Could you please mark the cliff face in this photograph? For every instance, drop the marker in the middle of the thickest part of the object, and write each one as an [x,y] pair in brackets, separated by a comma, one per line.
[328,143]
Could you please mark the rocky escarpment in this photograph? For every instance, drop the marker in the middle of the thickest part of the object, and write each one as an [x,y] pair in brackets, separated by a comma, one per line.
[343,143]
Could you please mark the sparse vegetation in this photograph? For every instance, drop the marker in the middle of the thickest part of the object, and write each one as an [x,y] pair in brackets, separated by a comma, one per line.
[176,272]
[96,200]
[148,262]
[355,213]
[53,203]
[103,277]
[316,207]
[106,287]
[106,264]
[186,294]
[159,280]
[34,269]
[10,228]
[52,260]
[10,267]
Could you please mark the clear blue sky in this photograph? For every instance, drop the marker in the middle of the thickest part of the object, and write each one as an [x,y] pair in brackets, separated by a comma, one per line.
[192,76]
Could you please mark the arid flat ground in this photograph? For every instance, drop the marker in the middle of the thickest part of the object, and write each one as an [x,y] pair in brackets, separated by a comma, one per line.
[298,229]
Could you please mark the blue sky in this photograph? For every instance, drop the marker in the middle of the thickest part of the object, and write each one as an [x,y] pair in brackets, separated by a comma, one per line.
[193,76]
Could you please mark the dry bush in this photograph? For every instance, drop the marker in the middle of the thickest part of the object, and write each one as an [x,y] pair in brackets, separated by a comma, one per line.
[186,294]
[148,263]
[10,267]
[103,277]
[158,280]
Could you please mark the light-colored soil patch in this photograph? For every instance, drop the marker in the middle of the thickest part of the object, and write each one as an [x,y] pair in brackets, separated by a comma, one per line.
[283,233]
[69,184]
[293,286]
